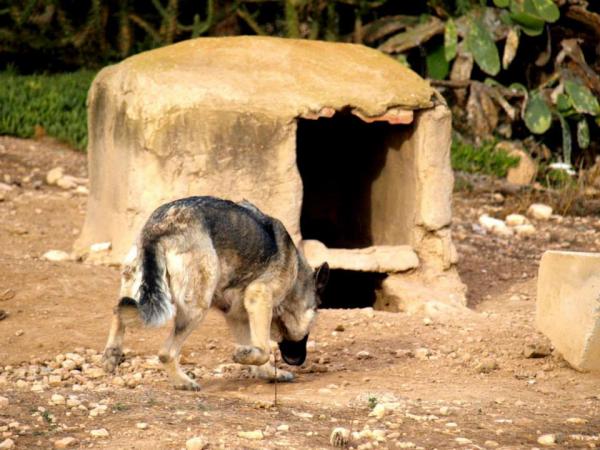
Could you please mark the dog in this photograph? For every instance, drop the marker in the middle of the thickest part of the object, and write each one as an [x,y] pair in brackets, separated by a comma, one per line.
[201,252]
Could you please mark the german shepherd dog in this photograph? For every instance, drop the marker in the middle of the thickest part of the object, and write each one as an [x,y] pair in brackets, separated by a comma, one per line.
[202,252]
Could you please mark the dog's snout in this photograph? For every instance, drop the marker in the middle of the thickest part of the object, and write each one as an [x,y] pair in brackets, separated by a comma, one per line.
[293,352]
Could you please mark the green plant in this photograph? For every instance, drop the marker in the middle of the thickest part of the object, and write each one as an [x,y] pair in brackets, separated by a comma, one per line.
[372,401]
[54,104]
[485,158]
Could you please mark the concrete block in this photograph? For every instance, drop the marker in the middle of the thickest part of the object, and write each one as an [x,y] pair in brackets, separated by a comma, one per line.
[568,306]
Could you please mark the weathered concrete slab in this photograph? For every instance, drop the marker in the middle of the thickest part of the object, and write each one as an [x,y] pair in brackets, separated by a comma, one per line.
[381,258]
[568,306]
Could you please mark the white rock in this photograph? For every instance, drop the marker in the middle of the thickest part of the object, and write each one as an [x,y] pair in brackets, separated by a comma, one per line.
[7,443]
[422,353]
[463,441]
[363,354]
[576,421]
[94,372]
[99,433]
[66,182]
[56,255]
[255,435]
[141,426]
[340,437]
[100,247]
[494,226]
[539,211]
[82,190]
[57,399]
[283,427]
[512,220]
[547,439]
[525,230]
[65,442]
[54,380]
[406,444]
[196,443]
[54,175]
[3,402]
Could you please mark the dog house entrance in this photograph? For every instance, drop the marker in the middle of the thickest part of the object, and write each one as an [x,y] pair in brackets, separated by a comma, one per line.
[351,203]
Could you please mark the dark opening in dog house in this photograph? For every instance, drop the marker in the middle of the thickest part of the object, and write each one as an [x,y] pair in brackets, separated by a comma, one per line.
[351,289]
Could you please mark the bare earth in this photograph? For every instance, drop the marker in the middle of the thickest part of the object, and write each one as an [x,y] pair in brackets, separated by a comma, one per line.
[456,382]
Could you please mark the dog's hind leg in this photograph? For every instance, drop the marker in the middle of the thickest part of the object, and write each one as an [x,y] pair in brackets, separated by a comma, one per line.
[241,333]
[113,353]
[193,279]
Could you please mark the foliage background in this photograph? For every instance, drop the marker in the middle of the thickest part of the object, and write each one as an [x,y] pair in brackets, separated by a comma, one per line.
[510,69]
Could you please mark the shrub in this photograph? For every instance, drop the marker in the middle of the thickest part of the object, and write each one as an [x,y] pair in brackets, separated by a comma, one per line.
[56,103]
[485,158]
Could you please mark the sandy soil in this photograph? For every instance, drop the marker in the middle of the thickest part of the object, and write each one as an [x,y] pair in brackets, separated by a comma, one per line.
[456,382]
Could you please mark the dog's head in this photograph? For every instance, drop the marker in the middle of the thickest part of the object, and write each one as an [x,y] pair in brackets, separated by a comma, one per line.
[299,313]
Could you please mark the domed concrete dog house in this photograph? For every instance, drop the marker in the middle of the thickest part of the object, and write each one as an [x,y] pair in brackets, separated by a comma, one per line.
[343,144]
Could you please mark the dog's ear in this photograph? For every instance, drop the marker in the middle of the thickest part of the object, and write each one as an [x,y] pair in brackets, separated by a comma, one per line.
[321,277]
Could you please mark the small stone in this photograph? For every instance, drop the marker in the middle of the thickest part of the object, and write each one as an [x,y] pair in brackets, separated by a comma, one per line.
[405,444]
[54,380]
[56,255]
[141,426]
[491,444]
[463,441]
[547,439]
[7,443]
[525,230]
[283,427]
[57,399]
[539,211]
[363,354]
[54,175]
[100,247]
[196,443]
[494,226]
[82,190]
[444,411]
[340,437]
[66,182]
[3,402]
[487,365]
[340,327]
[537,350]
[513,220]
[65,442]
[95,372]
[255,435]
[576,421]
[422,353]
[99,433]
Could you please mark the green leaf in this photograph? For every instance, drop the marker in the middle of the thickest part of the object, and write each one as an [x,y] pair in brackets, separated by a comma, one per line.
[437,66]
[562,102]
[481,44]
[583,99]
[538,117]
[450,40]
[524,13]
[583,133]
[566,138]
[547,10]
[501,3]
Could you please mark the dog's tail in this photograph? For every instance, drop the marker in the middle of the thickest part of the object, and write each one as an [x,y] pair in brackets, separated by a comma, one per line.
[153,303]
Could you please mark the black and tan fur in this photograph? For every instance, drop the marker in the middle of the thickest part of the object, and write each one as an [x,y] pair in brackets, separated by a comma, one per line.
[203,252]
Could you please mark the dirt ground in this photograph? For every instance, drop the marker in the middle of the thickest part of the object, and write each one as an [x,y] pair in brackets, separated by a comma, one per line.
[455,382]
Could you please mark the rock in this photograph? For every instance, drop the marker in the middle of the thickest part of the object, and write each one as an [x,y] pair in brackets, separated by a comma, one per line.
[100,247]
[567,294]
[525,170]
[340,437]
[99,433]
[494,226]
[3,402]
[54,380]
[82,190]
[491,444]
[539,211]
[363,354]
[252,435]
[7,443]
[422,353]
[95,372]
[283,427]
[196,443]
[56,255]
[525,230]
[57,399]
[65,442]
[54,175]
[463,441]
[576,421]
[487,365]
[547,439]
[537,350]
[513,220]
[66,182]
[340,327]
[141,426]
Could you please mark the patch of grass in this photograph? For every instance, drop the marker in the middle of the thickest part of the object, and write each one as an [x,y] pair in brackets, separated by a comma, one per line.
[485,159]
[121,407]
[372,402]
[54,103]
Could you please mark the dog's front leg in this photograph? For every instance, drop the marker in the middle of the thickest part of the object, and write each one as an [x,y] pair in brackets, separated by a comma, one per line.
[258,302]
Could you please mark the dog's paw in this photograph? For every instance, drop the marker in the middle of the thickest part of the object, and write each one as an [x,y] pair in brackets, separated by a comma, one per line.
[268,373]
[254,356]
[111,358]
[187,386]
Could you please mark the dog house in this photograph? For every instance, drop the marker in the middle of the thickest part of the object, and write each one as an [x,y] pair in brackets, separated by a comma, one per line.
[347,147]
